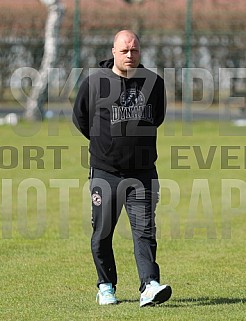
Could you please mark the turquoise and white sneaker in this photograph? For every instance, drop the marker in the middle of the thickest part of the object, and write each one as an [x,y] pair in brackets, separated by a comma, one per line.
[106,294]
[155,294]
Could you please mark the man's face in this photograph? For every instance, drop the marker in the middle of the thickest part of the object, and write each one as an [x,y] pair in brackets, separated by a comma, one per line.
[126,54]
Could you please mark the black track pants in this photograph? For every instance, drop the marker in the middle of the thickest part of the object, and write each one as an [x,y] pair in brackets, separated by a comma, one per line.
[139,195]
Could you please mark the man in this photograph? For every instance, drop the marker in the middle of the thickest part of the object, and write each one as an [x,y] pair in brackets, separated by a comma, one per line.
[118,108]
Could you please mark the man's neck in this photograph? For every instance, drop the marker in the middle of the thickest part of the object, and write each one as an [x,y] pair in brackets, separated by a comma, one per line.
[125,74]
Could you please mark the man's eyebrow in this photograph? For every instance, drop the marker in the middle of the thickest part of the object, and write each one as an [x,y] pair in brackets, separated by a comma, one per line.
[132,48]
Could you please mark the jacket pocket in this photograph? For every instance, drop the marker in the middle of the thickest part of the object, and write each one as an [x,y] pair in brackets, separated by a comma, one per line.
[110,148]
[99,148]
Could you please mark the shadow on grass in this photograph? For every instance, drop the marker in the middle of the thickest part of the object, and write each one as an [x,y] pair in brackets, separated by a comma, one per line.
[204,301]
[128,301]
[187,302]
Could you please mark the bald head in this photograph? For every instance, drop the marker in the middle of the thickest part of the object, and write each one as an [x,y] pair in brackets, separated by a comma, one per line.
[125,33]
[126,52]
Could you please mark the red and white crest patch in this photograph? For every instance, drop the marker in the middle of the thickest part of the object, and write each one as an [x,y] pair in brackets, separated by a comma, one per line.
[96,199]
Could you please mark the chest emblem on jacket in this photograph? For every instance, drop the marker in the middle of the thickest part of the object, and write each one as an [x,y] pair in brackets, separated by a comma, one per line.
[132,107]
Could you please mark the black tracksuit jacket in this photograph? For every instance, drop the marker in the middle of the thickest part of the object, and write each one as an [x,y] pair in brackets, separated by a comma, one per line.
[120,117]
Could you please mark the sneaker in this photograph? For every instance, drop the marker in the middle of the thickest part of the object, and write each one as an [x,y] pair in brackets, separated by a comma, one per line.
[106,294]
[155,294]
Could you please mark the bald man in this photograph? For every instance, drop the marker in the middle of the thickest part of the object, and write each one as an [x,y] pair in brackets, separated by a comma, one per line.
[119,108]
[126,52]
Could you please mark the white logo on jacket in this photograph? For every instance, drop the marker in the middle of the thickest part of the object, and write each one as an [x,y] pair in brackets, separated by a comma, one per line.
[132,107]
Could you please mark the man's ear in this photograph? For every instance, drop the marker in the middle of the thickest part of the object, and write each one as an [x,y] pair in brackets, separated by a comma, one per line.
[113,51]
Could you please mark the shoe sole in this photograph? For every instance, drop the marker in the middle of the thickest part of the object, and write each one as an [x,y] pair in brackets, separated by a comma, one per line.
[105,303]
[163,295]
[160,297]
[109,303]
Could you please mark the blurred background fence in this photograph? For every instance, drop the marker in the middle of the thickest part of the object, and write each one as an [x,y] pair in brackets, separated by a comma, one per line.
[218,37]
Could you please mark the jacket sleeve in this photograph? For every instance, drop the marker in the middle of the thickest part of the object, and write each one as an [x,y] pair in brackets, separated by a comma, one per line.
[161,102]
[80,115]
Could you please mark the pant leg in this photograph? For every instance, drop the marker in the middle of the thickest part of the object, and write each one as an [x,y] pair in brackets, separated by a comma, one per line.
[141,201]
[103,187]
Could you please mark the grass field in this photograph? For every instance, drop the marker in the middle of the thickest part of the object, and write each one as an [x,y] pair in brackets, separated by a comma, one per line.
[46,266]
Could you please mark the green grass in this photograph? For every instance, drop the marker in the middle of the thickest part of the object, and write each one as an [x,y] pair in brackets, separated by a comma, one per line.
[47,271]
